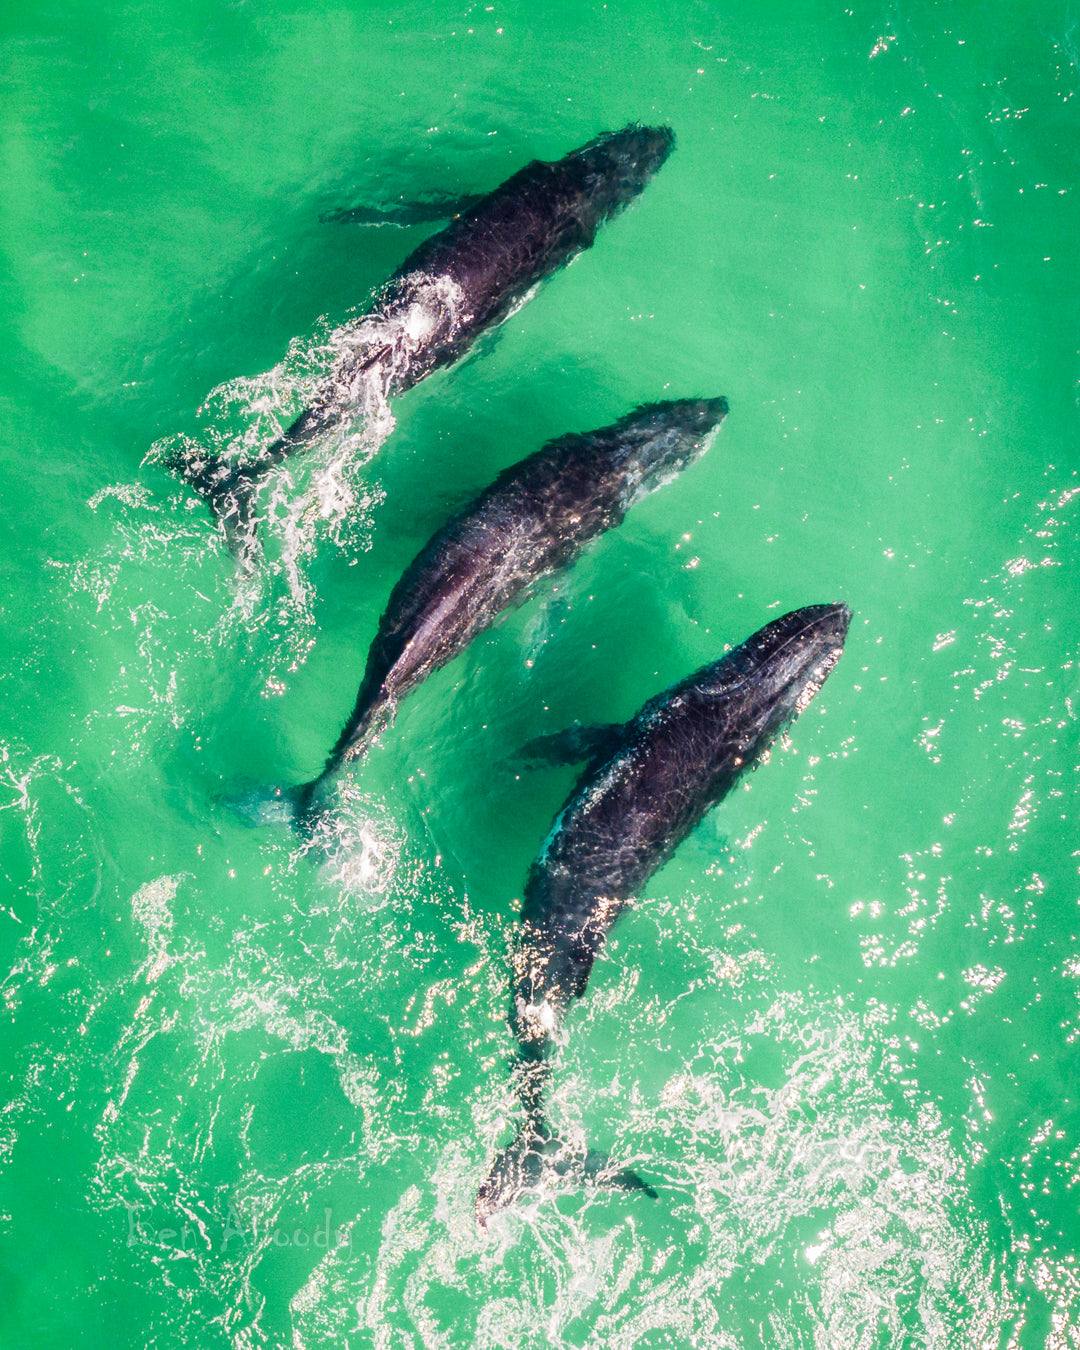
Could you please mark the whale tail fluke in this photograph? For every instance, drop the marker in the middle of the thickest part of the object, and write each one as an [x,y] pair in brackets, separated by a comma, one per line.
[304,807]
[230,490]
[311,804]
[537,1159]
[265,806]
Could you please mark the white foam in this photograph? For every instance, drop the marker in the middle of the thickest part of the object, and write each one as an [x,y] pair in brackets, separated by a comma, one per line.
[151,907]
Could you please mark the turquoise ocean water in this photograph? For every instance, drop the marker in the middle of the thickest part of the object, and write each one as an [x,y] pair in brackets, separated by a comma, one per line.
[248,1094]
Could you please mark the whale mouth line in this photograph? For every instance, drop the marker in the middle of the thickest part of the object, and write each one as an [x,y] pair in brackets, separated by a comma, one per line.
[819,675]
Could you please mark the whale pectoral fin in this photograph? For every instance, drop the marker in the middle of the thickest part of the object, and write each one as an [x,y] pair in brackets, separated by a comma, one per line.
[574,745]
[437,206]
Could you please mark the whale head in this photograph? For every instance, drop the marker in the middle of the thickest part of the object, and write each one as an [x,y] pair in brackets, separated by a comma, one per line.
[654,443]
[612,169]
[773,675]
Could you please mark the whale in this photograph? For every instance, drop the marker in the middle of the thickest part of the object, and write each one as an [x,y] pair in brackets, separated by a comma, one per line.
[647,784]
[458,283]
[535,519]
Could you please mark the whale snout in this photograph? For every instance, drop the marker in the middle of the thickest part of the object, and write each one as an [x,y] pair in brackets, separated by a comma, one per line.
[793,656]
[670,422]
[794,646]
[645,147]
[828,624]
[625,160]
[699,415]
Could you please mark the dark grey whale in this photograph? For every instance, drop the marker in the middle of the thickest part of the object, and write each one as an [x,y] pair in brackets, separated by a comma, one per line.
[535,519]
[458,283]
[648,785]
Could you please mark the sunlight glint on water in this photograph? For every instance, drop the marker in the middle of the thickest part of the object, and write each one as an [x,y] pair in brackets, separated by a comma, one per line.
[253,1082]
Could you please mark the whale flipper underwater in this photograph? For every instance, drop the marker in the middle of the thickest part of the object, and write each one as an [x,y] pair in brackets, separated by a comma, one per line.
[457,284]
[436,206]
[535,519]
[633,806]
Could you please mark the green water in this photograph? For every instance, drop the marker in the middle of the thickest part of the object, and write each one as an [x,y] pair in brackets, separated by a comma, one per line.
[249,1098]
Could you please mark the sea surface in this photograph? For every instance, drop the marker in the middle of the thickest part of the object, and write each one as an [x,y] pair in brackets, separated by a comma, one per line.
[250,1087]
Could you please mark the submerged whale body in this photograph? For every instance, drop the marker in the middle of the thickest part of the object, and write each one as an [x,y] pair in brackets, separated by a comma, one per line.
[458,283]
[649,784]
[535,519]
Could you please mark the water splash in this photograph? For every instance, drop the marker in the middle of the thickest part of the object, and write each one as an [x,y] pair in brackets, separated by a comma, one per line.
[802,1210]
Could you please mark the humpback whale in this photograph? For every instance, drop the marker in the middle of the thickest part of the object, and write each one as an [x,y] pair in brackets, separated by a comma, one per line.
[458,283]
[535,519]
[648,784]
